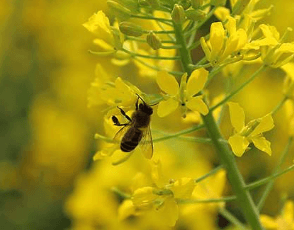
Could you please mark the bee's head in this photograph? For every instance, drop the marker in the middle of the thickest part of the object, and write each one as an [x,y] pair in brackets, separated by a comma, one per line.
[145,108]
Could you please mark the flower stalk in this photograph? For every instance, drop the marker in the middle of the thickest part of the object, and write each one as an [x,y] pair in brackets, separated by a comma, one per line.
[227,157]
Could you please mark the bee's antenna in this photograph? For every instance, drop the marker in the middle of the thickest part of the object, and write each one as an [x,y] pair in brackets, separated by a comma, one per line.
[141,98]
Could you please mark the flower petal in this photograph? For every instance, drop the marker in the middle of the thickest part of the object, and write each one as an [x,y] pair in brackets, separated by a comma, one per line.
[268,222]
[262,144]
[238,144]
[196,81]
[266,124]
[183,188]
[198,105]
[288,211]
[237,116]
[169,213]
[143,197]
[217,37]
[166,107]
[167,83]
[126,209]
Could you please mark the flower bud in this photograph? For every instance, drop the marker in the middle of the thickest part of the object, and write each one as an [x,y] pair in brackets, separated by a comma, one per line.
[185,4]
[195,15]
[153,41]
[119,10]
[178,14]
[196,3]
[130,29]
[143,3]
[117,36]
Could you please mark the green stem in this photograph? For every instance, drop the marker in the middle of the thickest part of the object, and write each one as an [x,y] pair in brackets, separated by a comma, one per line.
[215,170]
[150,56]
[163,20]
[186,131]
[270,185]
[267,179]
[280,104]
[212,200]
[254,75]
[225,154]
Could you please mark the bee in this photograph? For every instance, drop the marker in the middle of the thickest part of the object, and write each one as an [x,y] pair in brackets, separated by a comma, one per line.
[137,130]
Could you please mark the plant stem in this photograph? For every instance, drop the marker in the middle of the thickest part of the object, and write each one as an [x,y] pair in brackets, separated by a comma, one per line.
[227,157]
[229,216]
[270,185]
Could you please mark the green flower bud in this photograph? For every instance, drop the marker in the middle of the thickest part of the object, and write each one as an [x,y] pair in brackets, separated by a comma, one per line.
[178,14]
[153,41]
[117,39]
[143,3]
[196,3]
[130,29]
[195,15]
[119,10]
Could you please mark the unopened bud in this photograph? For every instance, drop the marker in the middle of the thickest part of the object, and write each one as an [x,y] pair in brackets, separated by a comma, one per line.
[196,3]
[130,29]
[178,14]
[117,39]
[220,2]
[119,10]
[153,41]
[195,15]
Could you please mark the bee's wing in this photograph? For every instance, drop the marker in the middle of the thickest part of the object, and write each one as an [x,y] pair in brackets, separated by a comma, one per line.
[146,144]
[120,133]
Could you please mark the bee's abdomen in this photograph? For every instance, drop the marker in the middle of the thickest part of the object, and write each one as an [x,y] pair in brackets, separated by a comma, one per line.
[130,140]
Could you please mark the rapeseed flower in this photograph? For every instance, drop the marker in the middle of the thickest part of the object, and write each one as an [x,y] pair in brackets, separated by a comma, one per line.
[160,196]
[251,133]
[108,38]
[184,94]
[223,44]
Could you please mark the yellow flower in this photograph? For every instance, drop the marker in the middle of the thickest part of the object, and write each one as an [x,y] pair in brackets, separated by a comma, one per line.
[223,44]
[183,94]
[285,221]
[109,38]
[252,132]
[159,197]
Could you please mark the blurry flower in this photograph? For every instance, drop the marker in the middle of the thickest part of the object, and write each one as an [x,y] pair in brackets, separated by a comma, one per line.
[252,132]
[222,44]
[183,94]
[288,88]
[290,116]
[285,221]
[109,38]
[160,198]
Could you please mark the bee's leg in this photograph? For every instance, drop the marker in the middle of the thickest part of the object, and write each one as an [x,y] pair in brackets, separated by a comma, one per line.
[137,103]
[124,114]
[116,121]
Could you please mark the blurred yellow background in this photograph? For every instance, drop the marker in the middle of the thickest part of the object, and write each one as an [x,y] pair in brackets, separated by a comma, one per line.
[47,131]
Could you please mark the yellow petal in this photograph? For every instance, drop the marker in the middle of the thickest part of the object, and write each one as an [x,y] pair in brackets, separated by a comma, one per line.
[217,36]
[197,104]
[237,116]
[222,13]
[183,188]
[166,107]
[167,83]
[262,144]
[288,211]
[238,144]
[126,209]
[266,124]
[196,81]
[143,197]
[169,213]
[268,222]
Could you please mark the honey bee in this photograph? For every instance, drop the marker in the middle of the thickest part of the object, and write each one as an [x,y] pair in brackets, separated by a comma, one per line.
[137,130]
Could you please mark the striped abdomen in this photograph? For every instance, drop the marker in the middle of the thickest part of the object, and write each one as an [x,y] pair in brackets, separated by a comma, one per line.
[131,139]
